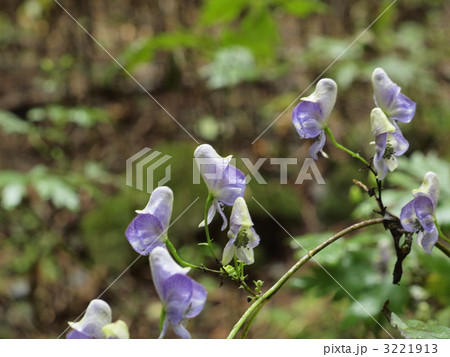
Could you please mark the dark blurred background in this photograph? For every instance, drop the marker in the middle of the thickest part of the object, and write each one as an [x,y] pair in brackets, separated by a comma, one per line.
[70,117]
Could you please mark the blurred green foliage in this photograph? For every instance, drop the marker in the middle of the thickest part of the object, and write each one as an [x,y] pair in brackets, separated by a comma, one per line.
[225,69]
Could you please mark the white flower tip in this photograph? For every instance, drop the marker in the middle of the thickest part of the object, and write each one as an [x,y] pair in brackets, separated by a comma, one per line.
[205,151]
[240,214]
[380,123]
[430,185]
[159,194]
[379,75]
[324,154]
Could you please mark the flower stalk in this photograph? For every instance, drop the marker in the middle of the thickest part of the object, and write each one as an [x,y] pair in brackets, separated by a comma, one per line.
[252,311]
[343,148]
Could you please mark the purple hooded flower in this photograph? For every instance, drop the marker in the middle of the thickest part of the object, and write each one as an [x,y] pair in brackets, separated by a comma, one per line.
[181,296]
[418,215]
[243,237]
[149,229]
[224,181]
[389,142]
[311,114]
[387,96]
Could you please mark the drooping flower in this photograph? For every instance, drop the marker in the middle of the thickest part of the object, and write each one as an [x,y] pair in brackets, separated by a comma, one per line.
[242,237]
[96,323]
[389,142]
[224,181]
[181,296]
[387,96]
[418,215]
[149,229]
[311,114]
[97,315]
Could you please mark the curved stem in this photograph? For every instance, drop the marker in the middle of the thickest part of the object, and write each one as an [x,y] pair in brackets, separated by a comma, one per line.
[443,249]
[251,319]
[182,262]
[273,290]
[343,148]
[441,234]
[208,204]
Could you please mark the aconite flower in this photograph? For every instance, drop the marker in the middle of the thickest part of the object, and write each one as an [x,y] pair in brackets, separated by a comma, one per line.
[310,116]
[418,215]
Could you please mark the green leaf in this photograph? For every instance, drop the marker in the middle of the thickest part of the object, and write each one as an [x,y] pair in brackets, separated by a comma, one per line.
[221,11]
[56,190]
[12,124]
[12,195]
[302,8]
[231,66]
[419,329]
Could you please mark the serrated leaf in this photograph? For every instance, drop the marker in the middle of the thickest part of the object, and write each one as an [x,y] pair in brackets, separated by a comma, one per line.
[419,329]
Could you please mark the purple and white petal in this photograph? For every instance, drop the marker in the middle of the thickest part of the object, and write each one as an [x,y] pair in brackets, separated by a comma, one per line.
[430,187]
[403,109]
[387,96]
[160,205]
[97,315]
[398,142]
[145,233]
[307,118]
[253,238]
[317,146]
[245,255]
[211,166]
[76,335]
[228,252]
[177,293]
[408,217]
[222,214]
[198,299]
[181,331]
[325,94]
[428,239]
[163,267]
[425,212]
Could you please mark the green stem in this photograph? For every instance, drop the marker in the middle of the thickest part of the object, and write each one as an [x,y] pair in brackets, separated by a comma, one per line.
[182,262]
[208,204]
[443,249]
[239,269]
[441,234]
[273,290]
[343,148]
[252,318]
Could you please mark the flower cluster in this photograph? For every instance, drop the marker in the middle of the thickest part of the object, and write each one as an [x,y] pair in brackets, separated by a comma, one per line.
[418,215]
[392,107]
